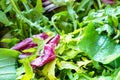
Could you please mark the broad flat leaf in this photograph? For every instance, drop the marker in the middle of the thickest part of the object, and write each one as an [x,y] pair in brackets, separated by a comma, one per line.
[99,47]
[7,64]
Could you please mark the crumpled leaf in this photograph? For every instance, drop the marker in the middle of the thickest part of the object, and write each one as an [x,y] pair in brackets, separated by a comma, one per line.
[99,47]
[106,28]
[67,65]
[49,70]
[70,54]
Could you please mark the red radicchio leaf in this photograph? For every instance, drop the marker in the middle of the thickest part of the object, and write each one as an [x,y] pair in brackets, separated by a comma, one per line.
[108,1]
[42,36]
[44,0]
[54,41]
[48,55]
[25,44]
[28,43]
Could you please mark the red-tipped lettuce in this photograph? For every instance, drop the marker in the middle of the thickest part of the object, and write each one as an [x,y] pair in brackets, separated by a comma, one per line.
[48,54]
[54,41]
[28,43]
[108,1]
[47,57]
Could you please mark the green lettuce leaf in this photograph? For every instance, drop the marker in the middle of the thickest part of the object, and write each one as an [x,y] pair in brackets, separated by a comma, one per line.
[67,65]
[7,64]
[99,47]
[49,70]
[28,70]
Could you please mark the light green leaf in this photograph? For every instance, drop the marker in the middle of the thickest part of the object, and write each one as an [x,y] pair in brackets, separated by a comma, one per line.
[38,7]
[61,2]
[103,78]
[106,28]
[67,65]
[72,14]
[8,53]
[70,54]
[28,70]
[115,20]
[117,76]
[7,64]
[11,42]
[20,72]
[29,50]
[49,70]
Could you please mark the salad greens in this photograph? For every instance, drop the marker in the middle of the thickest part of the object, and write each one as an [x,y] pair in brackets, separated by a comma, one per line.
[8,59]
[60,39]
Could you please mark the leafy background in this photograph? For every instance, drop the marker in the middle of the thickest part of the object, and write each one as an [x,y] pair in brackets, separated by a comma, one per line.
[89,44]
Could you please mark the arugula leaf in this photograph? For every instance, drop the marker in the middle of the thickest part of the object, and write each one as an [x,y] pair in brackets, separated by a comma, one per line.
[99,47]
[82,5]
[4,19]
[8,64]
[72,14]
